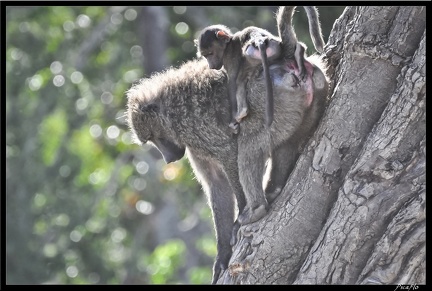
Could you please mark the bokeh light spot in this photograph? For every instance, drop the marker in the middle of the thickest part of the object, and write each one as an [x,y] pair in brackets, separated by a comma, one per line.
[68,26]
[106,98]
[65,171]
[83,20]
[62,219]
[170,173]
[179,9]
[56,67]
[35,82]
[130,14]
[77,77]
[139,184]
[39,200]
[131,76]
[116,18]
[16,54]
[113,132]
[136,51]
[81,104]
[95,130]
[58,81]
[72,271]
[144,207]
[142,167]
[50,250]
[118,235]
[75,236]
[181,28]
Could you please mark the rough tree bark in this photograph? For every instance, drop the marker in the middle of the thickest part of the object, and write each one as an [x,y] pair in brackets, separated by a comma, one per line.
[353,210]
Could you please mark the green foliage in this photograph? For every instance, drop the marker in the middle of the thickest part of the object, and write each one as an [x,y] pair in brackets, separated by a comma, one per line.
[165,260]
[84,205]
[51,133]
[199,275]
[207,245]
[95,163]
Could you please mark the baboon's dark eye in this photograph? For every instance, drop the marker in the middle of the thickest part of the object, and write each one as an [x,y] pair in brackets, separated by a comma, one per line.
[149,107]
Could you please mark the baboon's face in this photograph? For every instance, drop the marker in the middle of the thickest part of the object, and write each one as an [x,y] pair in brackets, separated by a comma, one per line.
[147,126]
[170,151]
[212,43]
[214,54]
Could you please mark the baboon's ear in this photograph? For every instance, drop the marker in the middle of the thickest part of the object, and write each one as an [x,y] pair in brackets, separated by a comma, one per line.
[149,108]
[220,34]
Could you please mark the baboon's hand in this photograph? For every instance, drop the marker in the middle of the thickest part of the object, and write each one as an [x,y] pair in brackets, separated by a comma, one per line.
[235,127]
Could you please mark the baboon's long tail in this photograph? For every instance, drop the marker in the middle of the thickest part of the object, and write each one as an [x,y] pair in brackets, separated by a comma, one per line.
[269,85]
[315,28]
[286,31]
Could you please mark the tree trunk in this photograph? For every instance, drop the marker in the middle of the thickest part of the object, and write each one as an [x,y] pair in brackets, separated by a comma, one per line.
[153,36]
[353,210]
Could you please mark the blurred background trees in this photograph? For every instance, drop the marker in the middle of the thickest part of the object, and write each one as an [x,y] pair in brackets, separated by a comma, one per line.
[83,203]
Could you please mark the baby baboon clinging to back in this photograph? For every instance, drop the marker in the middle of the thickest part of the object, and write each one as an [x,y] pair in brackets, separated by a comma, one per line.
[239,53]
[252,46]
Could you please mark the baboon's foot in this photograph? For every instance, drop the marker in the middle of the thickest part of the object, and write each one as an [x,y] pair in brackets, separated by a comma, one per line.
[251,215]
[234,235]
[272,194]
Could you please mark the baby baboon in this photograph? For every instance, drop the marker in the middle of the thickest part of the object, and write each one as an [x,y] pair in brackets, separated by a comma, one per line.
[239,53]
